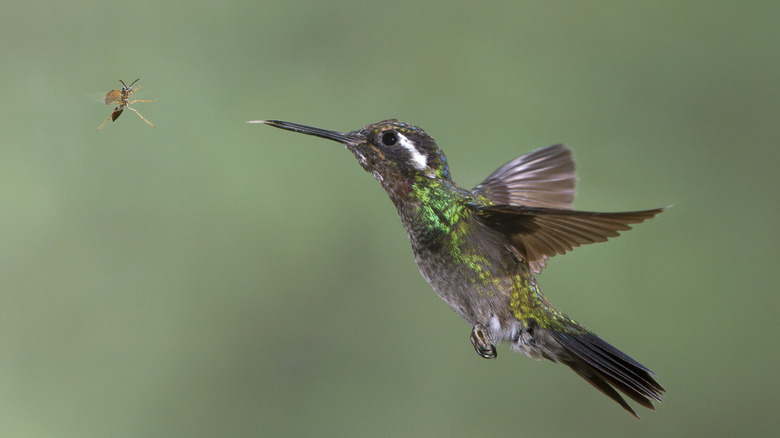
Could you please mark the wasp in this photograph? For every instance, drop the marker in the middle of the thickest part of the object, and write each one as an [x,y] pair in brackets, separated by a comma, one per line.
[122,97]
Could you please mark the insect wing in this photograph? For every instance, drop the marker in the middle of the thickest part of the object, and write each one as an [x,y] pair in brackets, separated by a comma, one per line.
[113,96]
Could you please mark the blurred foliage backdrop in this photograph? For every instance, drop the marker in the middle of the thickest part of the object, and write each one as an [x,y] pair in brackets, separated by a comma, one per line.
[212,278]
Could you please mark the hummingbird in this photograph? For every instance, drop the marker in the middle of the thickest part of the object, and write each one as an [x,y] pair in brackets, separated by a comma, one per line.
[479,249]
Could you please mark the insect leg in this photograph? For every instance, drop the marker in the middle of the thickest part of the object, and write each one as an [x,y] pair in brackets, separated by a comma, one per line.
[139,115]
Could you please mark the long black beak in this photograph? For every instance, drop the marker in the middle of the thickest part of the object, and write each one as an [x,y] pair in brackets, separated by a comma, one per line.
[341,137]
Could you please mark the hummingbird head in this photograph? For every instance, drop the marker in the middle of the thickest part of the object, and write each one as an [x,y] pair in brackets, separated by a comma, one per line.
[391,150]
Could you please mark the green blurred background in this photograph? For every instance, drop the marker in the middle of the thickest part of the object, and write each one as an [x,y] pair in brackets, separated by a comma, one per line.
[213,278]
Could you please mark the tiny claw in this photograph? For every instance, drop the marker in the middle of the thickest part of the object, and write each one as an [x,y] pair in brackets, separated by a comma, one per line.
[479,339]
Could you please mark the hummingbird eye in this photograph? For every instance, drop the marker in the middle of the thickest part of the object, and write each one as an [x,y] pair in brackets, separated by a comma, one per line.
[389,138]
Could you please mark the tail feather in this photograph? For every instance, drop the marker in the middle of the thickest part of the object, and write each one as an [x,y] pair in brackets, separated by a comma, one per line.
[599,383]
[606,368]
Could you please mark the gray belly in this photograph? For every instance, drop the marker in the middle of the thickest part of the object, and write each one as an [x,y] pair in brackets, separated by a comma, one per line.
[476,301]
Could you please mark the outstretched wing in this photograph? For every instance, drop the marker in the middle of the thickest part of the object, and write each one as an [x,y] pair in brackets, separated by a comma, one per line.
[542,178]
[537,233]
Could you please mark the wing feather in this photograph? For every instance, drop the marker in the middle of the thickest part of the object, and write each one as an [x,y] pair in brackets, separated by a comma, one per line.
[542,178]
[538,233]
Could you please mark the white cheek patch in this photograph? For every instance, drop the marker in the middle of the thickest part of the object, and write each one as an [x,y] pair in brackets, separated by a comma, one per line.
[420,161]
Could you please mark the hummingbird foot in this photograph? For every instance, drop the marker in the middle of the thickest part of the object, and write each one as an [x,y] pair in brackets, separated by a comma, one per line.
[479,339]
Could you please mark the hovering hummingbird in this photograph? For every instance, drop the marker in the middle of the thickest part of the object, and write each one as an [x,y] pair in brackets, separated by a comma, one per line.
[479,249]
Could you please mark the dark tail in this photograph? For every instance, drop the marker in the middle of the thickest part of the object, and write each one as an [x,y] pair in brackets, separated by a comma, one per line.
[606,368]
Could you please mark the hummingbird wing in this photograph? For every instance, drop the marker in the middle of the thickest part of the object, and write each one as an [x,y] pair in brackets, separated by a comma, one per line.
[537,233]
[606,368]
[542,178]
